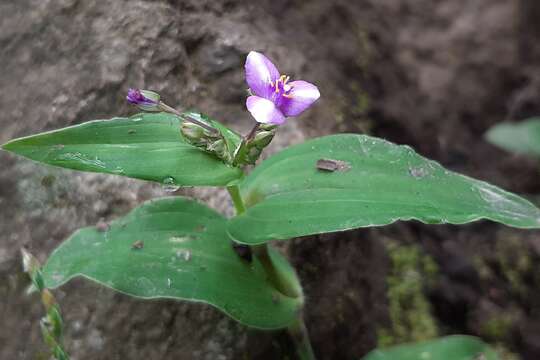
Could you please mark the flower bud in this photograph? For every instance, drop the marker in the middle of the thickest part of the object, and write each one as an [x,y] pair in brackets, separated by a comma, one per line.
[217,146]
[253,154]
[193,133]
[46,333]
[32,267]
[268,127]
[30,263]
[263,138]
[203,139]
[145,100]
[54,318]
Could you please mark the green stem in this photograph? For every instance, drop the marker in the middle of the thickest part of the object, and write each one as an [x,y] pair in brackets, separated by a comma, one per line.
[279,280]
[253,132]
[297,330]
[237,199]
[300,338]
[187,117]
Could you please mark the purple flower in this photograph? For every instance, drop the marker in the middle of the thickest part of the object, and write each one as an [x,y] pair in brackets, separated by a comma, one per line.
[145,99]
[274,97]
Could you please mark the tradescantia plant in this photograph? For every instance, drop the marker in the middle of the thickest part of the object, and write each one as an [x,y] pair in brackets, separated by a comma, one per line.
[175,247]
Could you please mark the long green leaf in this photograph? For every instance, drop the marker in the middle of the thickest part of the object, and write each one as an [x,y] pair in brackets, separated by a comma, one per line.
[146,146]
[374,183]
[523,137]
[457,347]
[174,248]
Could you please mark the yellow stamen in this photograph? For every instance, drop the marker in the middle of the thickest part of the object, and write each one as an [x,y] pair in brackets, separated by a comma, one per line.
[289,96]
[285,80]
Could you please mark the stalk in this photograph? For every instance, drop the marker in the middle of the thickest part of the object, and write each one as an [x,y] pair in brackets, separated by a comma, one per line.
[239,205]
[297,330]
[172,110]
[300,337]
[280,282]
[253,132]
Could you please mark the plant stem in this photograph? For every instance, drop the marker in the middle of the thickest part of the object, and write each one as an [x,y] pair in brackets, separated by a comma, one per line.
[237,199]
[185,117]
[253,132]
[300,337]
[279,280]
[297,330]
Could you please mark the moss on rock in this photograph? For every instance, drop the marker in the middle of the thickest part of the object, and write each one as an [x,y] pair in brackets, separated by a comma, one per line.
[409,309]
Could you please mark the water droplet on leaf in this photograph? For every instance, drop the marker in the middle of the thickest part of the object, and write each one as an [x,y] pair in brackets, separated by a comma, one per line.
[183,254]
[168,185]
[418,172]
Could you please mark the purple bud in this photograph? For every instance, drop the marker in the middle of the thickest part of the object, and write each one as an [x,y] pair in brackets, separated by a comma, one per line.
[145,99]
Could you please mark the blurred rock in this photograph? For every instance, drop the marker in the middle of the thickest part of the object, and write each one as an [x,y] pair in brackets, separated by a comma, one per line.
[431,74]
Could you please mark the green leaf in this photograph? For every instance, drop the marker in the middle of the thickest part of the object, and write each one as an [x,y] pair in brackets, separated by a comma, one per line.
[174,248]
[145,146]
[374,183]
[523,137]
[457,347]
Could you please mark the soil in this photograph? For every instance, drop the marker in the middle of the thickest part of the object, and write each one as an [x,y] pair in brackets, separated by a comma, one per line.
[432,74]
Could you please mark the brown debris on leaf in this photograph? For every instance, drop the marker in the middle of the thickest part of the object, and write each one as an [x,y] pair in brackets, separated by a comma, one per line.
[331,165]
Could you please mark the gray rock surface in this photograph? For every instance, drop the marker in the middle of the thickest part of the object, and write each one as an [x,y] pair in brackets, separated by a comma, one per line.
[432,74]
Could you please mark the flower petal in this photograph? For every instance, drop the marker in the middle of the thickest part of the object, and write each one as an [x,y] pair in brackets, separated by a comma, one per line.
[260,73]
[264,111]
[144,99]
[302,95]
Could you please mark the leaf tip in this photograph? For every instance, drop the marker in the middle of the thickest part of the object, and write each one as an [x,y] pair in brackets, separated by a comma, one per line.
[8,146]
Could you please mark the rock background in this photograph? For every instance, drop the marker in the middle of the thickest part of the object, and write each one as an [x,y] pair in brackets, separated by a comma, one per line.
[432,74]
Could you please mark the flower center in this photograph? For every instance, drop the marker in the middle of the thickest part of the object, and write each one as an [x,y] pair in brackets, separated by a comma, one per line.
[281,87]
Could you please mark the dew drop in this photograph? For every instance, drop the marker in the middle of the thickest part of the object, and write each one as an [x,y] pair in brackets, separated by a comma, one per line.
[180,239]
[168,185]
[183,254]
[169,283]
[418,172]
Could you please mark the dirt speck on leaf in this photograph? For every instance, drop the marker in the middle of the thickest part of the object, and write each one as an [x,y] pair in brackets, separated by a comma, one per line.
[331,165]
